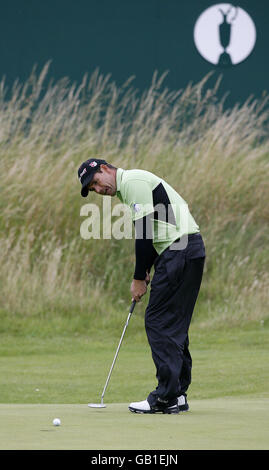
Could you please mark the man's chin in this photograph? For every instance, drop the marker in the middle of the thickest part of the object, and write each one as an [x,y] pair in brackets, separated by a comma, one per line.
[109,192]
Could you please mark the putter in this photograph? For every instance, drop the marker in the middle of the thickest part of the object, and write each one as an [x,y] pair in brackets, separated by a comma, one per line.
[102,405]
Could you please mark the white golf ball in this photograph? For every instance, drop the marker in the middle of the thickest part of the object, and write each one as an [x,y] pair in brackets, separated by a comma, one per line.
[56,422]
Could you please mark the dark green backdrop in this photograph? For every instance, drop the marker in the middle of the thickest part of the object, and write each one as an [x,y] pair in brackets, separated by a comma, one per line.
[124,38]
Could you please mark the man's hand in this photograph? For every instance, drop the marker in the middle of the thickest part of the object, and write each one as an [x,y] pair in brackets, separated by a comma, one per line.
[147,278]
[138,289]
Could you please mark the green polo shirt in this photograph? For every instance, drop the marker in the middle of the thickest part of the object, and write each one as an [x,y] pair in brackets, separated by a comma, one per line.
[146,193]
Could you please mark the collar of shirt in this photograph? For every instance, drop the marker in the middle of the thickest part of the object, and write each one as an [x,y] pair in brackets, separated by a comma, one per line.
[120,172]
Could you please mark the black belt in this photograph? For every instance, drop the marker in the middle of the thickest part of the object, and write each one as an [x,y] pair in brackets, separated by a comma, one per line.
[190,237]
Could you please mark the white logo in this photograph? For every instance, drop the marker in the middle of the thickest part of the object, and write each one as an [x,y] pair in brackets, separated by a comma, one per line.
[93,164]
[81,174]
[137,207]
[224,34]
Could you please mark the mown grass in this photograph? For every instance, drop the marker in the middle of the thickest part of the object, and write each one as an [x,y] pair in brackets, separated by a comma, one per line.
[215,424]
[231,362]
[54,282]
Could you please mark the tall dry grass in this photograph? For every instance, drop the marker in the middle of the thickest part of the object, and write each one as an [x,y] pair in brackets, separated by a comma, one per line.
[216,158]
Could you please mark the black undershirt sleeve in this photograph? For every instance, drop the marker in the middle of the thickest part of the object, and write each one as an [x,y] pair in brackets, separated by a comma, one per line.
[144,250]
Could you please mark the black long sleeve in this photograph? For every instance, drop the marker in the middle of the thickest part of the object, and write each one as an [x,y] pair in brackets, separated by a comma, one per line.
[144,249]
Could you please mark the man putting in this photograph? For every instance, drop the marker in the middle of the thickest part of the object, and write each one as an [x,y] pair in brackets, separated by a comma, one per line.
[166,236]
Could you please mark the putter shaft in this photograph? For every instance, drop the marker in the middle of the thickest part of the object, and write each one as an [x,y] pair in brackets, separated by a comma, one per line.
[118,348]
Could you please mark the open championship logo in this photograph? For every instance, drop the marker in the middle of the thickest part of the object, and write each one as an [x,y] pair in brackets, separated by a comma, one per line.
[224,34]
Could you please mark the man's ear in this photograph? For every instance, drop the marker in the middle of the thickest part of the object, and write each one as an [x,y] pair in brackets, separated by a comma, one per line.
[103,167]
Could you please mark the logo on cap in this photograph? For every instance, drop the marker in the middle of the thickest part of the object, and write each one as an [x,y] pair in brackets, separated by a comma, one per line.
[81,174]
[93,164]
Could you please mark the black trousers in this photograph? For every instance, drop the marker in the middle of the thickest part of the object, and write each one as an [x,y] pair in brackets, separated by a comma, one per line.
[174,291]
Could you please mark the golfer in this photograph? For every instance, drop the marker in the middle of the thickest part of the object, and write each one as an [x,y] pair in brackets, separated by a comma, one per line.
[166,236]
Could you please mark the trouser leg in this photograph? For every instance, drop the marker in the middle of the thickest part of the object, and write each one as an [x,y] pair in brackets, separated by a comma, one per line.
[174,291]
[185,375]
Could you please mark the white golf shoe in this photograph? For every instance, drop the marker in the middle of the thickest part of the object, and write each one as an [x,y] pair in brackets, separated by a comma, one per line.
[182,403]
[140,406]
[144,407]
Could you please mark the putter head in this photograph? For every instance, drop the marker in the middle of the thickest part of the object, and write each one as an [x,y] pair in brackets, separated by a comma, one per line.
[97,405]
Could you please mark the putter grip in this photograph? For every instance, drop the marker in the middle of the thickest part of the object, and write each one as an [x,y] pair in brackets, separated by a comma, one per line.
[132,306]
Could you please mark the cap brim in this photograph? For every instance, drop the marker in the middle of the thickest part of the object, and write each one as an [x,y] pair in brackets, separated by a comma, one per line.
[84,190]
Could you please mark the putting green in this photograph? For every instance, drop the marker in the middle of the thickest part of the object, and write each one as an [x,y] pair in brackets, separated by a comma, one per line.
[224,423]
